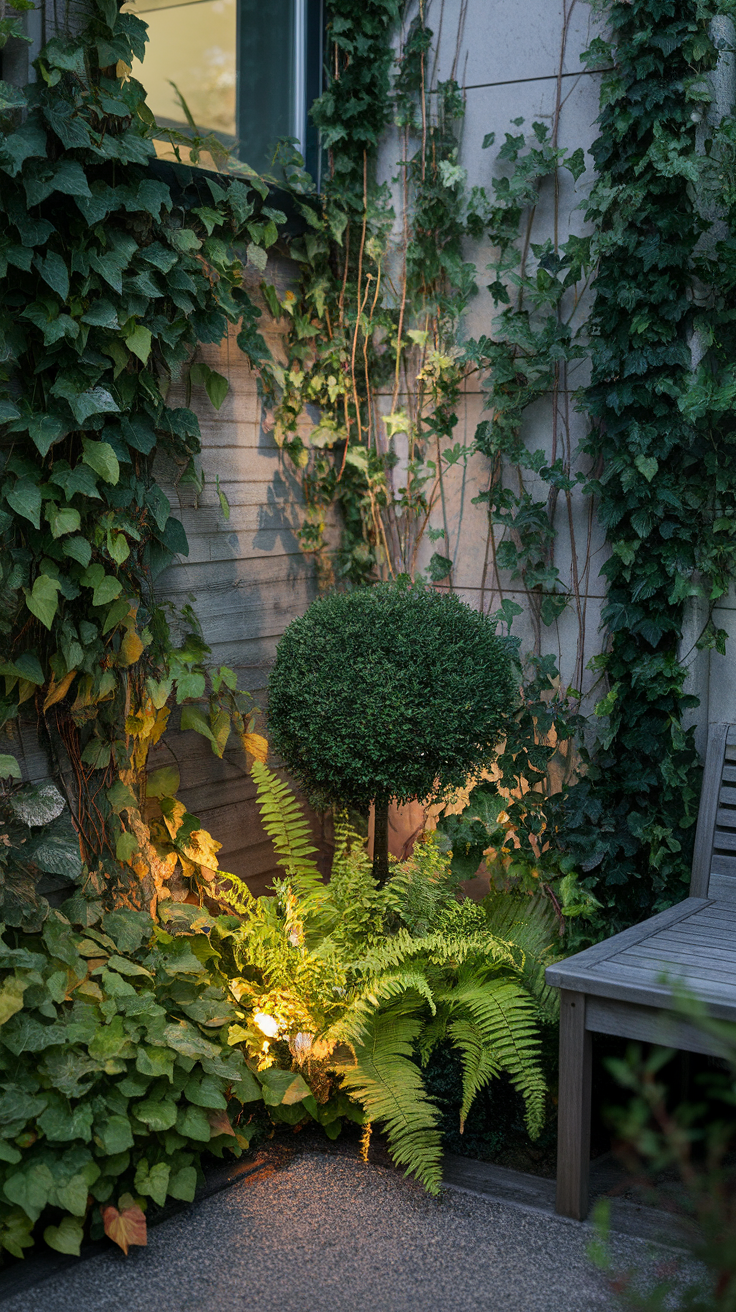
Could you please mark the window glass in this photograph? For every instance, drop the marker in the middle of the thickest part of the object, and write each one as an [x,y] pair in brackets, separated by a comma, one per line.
[191,53]
[246,70]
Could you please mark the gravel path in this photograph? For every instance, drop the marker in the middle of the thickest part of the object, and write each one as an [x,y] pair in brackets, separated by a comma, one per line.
[330,1234]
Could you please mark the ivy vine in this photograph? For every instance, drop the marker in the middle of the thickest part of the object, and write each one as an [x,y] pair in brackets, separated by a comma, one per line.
[115,268]
[661,444]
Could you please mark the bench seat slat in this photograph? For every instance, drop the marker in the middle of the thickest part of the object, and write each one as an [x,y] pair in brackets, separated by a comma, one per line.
[717,960]
[681,966]
[635,975]
[724,840]
[718,915]
[722,864]
[717,939]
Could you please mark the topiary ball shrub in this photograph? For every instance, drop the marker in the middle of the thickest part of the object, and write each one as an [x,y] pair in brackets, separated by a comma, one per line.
[389,693]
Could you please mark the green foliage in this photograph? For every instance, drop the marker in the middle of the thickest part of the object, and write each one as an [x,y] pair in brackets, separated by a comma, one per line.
[695,1141]
[355,985]
[354,333]
[114,269]
[39,853]
[662,436]
[389,692]
[115,1070]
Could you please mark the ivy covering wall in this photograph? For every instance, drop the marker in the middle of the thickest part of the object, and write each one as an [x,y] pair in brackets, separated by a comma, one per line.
[656,468]
[116,269]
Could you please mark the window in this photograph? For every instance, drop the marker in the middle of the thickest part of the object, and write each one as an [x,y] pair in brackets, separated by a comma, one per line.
[247,70]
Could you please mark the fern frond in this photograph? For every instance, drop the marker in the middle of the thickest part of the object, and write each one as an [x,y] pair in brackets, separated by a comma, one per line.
[235,894]
[382,989]
[479,1066]
[441,949]
[350,856]
[505,1016]
[531,923]
[390,1087]
[289,831]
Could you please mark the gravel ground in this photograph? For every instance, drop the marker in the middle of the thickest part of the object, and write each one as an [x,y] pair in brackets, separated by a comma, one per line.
[335,1235]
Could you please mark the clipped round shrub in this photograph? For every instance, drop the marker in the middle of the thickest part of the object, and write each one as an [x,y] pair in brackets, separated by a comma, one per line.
[389,693]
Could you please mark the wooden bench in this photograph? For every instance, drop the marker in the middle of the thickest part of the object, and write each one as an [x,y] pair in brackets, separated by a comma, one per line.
[616,987]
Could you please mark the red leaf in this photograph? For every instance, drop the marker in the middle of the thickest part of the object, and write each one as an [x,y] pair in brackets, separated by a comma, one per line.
[220,1123]
[126,1227]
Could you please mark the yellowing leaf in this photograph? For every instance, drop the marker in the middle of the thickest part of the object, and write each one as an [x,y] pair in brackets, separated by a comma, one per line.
[131,648]
[254,744]
[11,997]
[125,1227]
[173,819]
[58,690]
[159,724]
[220,1123]
[202,847]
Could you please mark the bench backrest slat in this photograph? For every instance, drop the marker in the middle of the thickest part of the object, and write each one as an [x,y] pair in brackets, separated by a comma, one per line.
[715,849]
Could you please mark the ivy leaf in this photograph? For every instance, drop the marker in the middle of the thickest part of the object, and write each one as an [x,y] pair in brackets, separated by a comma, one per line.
[153,1180]
[66,1237]
[139,342]
[164,782]
[131,648]
[189,685]
[101,314]
[67,176]
[126,846]
[11,97]
[44,430]
[576,163]
[217,388]
[26,666]
[53,270]
[127,1226]
[43,600]
[25,499]
[9,768]
[257,256]
[439,567]
[193,717]
[647,466]
[107,590]
[185,240]
[78,549]
[101,457]
[96,401]
[63,519]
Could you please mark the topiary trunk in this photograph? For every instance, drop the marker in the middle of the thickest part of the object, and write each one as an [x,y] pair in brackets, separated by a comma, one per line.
[380,841]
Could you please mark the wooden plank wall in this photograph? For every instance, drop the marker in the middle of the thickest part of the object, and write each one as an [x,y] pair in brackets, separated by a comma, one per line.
[246,579]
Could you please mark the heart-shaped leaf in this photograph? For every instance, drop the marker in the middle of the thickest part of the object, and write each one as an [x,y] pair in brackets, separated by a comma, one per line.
[125,1227]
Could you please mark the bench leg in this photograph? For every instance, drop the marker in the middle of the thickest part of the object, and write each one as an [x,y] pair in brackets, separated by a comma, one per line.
[573,1131]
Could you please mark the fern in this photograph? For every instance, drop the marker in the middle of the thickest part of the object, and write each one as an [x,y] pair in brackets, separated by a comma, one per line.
[505,1017]
[286,826]
[390,1087]
[235,894]
[387,973]
[532,923]
[479,1066]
